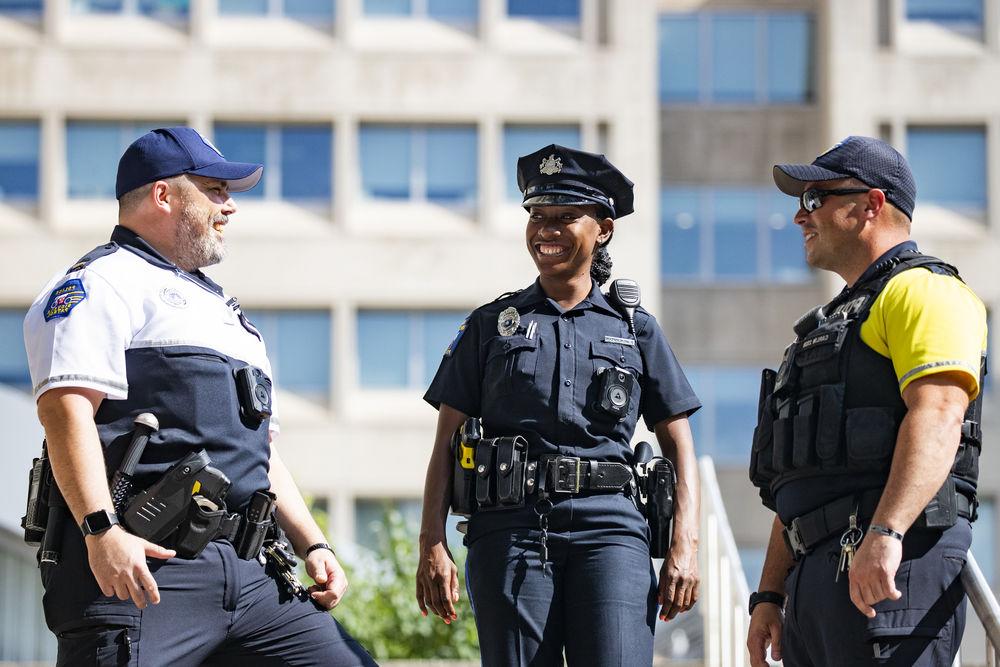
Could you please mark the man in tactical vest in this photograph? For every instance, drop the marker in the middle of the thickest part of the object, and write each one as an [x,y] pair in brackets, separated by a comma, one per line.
[868,436]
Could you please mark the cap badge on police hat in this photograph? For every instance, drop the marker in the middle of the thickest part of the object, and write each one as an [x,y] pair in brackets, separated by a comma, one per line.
[550,165]
[508,321]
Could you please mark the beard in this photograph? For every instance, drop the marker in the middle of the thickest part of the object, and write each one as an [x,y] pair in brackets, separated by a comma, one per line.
[195,244]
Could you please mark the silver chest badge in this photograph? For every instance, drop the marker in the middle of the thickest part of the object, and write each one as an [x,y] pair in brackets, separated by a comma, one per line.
[551,165]
[508,321]
[172,297]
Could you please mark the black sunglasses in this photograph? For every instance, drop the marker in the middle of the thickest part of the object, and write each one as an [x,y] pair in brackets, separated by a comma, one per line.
[810,200]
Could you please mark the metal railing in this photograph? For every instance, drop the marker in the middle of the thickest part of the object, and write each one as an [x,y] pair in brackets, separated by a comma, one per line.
[985,604]
[724,585]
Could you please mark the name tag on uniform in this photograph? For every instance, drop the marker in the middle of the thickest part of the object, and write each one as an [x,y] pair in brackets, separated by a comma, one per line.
[620,341]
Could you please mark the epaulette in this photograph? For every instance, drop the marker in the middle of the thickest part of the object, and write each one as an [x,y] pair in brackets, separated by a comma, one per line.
[506,295]
[99,251]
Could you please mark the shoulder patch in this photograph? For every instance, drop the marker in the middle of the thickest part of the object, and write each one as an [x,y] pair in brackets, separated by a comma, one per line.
[461,332]
[64,299]
[99,251]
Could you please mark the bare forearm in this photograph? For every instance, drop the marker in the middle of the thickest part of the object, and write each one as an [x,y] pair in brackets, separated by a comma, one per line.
[294,516]
[75,449]
[777,561]
[677,444]
[925,450]
[437,484]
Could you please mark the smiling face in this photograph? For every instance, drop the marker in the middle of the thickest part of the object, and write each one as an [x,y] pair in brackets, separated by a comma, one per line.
[831,233]
[562,239]
[205,207]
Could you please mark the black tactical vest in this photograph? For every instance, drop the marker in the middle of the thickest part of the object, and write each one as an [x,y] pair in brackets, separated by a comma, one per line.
[834,406]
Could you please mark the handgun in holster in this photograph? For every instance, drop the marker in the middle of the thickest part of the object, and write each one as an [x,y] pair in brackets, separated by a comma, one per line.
[186,504]
[258,525]
[659,486]
[463,478]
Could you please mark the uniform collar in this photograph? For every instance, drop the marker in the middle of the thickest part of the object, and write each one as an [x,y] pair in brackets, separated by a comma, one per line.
[534,295]
[887,258]
[128,239]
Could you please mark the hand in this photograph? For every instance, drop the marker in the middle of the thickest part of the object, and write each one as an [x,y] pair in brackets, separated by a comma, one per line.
[437,581]
[118,560]
[331,580]
[765,630]
[872,575]
[678,580]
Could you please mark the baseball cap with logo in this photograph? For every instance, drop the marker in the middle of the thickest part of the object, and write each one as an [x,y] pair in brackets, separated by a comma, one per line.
[872,161]
[560,176]
[169,151]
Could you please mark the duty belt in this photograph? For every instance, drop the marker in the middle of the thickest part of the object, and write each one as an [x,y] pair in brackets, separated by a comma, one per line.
[806,531]
[572,475]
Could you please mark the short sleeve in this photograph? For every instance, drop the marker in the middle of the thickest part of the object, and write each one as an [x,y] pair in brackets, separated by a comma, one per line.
[76,333]
[666,391]
[928,323]
[458,381]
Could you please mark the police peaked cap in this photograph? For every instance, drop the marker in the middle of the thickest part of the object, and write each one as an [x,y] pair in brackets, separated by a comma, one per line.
[560,176]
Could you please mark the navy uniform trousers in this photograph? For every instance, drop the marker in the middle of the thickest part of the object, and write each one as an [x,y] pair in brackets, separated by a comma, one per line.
[214,610]
[596,598]
[924,627]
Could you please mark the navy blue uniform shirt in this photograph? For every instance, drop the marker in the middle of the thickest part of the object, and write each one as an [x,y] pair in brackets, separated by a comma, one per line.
[542,383]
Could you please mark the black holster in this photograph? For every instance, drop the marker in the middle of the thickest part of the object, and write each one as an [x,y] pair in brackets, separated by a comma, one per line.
[256,525]
[660,485]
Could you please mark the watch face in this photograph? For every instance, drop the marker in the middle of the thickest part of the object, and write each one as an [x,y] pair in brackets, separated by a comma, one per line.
[97,522]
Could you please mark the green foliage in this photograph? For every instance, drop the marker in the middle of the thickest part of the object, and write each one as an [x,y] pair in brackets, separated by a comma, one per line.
[380,608]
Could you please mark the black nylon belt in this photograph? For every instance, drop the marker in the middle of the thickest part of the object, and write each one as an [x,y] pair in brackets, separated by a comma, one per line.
[573,475]
[808,530]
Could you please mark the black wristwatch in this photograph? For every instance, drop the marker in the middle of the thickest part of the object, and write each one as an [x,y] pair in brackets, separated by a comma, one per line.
[766,596]
[98,522]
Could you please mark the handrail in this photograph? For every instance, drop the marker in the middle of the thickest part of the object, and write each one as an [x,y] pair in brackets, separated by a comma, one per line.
[724,612]
[985,604]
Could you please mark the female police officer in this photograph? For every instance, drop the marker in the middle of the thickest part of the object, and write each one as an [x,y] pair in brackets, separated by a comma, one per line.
[569,569]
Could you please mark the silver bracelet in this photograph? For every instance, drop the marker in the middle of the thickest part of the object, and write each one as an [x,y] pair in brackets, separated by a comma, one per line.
[882,530]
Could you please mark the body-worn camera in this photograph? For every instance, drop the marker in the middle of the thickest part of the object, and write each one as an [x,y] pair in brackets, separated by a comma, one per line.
[614,393]
[253,389]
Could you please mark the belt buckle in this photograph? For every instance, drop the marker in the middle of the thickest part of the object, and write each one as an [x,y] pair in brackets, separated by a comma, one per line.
[793,540]
[568,474]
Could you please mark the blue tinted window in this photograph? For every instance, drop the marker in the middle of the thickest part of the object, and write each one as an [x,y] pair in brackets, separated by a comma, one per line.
[453,10]
[164,10]
[13,359]
[19,145]
[723,428]
[788,259]
[789,58]
[388,7]
[680,232]
[945,11]
[386,157]
[729,234]
[244,143]
[402,349]
[437,163]
[97,6]
[301,155]
[734,234]
[92,153]
[521,140]
[298,346]
[560,9]
[451,166]
[949,164]
[20,6]
[679,58]
[984,539]
[313,11]
[306,155]
[243,7]
[734,58]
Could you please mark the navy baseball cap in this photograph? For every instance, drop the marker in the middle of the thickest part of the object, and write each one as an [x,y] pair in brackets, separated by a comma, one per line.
[872,161]
[169,151]
[560,176]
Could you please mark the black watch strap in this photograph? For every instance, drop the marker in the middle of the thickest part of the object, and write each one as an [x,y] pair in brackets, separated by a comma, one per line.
[97,522]
[766,596]
[320,545]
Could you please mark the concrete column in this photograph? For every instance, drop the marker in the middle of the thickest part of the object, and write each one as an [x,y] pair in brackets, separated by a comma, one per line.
[52,167]
[343,372]
[346,170]
[589,18]
[491,14]
[55,15]
[992,174]
[203,12]
[491,174]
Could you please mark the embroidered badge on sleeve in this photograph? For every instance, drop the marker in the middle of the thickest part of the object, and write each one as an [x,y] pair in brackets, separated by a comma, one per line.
[64,299]
[461,332]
